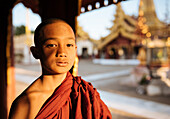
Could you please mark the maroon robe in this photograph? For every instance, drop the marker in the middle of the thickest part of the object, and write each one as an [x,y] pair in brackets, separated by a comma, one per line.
[74,99]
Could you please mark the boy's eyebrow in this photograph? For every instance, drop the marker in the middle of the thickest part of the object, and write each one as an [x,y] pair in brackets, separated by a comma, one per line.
[44,40]
[70,38]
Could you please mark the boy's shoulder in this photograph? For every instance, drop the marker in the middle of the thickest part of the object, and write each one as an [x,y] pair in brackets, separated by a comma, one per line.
[21,104]
[21,99]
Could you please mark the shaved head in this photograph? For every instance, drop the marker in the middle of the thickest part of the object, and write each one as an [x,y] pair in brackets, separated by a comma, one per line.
[38,35]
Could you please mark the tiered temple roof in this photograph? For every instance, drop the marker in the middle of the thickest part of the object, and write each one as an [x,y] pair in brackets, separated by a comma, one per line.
[82,35]
[124,25]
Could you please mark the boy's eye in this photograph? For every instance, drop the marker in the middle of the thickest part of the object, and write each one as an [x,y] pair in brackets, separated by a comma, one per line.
[51,45]
[70,45]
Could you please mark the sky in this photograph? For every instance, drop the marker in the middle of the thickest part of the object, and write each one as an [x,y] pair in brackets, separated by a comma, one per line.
[95,22]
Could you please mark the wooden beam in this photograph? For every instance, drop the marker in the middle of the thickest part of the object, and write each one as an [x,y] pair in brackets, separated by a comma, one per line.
[95,4]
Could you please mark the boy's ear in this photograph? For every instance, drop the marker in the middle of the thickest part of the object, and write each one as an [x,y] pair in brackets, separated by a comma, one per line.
[35,52]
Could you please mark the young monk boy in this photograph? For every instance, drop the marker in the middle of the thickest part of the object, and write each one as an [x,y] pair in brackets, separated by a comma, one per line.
[57,94]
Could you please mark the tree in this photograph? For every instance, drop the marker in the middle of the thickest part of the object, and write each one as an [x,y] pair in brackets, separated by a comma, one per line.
[18,30]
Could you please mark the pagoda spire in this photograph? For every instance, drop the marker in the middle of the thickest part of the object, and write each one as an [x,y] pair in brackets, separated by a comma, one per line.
[142,27]
[149,13]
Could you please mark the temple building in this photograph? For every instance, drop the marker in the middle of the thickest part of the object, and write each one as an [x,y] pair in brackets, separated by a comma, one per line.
[85,45]
[145,38]
[121,42]
[22,52]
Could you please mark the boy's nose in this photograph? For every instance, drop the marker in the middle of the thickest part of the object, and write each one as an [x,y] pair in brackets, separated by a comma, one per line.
[61,53]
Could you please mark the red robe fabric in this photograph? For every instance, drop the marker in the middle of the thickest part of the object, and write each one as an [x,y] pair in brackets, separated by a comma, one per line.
[74,99]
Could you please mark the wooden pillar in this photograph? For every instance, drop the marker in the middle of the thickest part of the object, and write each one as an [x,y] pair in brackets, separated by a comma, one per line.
[3,65]
[7,90]
[10,62]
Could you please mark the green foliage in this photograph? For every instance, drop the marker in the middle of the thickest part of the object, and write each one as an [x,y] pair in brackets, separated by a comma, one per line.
[32,31]
[19,30]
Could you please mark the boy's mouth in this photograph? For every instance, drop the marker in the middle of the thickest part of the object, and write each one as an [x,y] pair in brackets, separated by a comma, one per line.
[62,64]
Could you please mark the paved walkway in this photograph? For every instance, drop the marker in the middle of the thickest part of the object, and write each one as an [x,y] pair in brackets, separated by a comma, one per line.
[101,77]
[136,106]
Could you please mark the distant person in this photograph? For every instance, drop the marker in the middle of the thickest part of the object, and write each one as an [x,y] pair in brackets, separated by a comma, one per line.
[57,94]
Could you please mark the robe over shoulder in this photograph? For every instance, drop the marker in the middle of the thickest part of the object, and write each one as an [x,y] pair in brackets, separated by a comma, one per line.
[74,99]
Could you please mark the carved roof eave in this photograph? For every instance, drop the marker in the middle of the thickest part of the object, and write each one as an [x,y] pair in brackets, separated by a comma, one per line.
[131,20]
[113,36]
[129,35]
[124,25]
[107,39]
[130,28]
[82,35]
[95,42]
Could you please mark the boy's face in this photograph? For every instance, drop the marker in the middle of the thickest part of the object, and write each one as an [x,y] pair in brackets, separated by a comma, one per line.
[58,50]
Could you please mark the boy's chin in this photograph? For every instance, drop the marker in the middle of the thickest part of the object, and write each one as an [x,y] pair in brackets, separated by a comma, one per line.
[56,70]
[61,72]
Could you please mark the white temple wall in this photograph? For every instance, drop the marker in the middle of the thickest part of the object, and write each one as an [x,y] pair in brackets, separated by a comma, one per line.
[22,50]
[84,44]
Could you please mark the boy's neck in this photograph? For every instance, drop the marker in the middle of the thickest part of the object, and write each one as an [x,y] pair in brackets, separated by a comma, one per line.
[51,82]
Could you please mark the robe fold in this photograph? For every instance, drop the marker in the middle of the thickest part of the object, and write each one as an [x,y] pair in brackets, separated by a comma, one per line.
[74,99]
